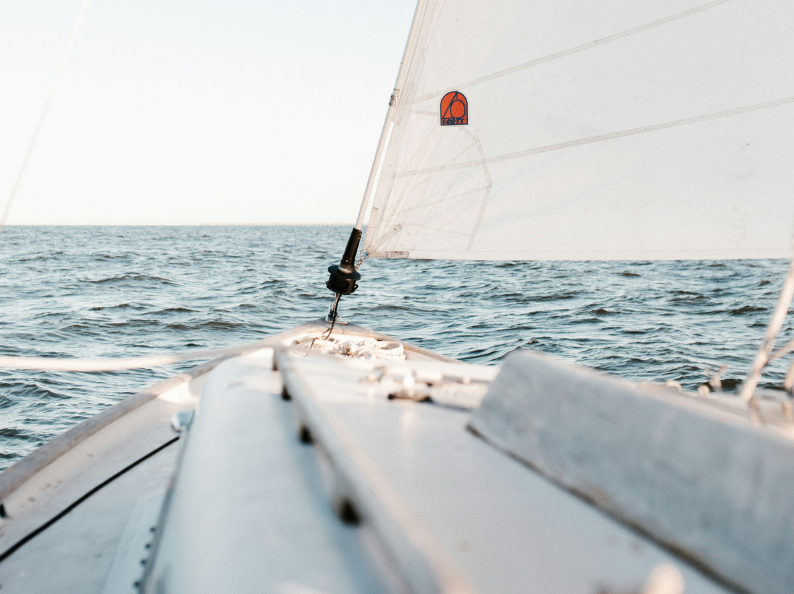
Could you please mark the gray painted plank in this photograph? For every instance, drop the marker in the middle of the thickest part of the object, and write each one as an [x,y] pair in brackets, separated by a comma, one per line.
[510,529]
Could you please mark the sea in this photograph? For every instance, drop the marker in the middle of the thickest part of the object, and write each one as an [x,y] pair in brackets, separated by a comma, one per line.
[124,291]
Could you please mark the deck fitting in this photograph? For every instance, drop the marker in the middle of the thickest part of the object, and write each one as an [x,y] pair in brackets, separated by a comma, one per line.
[347,512]
[305,435]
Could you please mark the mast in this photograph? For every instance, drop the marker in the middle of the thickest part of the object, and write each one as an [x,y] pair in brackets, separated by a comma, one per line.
[343,277]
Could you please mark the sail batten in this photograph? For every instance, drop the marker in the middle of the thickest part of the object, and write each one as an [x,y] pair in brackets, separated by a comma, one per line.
[605,130]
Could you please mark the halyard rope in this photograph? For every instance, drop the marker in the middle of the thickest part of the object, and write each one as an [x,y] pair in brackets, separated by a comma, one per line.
[53,86]
[89,365]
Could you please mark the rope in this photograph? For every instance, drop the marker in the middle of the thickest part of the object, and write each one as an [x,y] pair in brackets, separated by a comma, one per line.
[333,323]
[368,348]
[92,365]
[53,86]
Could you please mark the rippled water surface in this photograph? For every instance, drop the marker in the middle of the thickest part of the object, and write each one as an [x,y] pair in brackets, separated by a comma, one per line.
[121,291]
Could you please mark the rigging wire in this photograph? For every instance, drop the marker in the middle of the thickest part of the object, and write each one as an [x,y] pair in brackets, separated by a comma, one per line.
[42,116]
[765,352]
[333,314]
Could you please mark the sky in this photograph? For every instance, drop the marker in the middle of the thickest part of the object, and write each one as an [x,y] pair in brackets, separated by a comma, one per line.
[196,112]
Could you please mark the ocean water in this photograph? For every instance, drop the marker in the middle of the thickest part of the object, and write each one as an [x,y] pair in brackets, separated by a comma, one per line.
[125,291]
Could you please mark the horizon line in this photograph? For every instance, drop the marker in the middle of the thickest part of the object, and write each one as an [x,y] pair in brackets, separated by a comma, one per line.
[177,225]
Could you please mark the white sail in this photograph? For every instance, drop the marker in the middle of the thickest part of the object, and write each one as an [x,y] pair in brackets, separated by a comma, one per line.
[607,129]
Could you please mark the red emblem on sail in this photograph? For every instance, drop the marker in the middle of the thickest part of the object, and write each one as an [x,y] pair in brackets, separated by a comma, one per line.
[454,109]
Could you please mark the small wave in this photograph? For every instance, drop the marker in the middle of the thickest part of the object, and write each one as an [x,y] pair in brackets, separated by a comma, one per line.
[629,274]
[746,309]
[394,307]
[210,325]
[600,311]
[688,298]
[27,389]
[131,278]
[581,320]
[12,433]
[106,257]
[554,297]
[119,306]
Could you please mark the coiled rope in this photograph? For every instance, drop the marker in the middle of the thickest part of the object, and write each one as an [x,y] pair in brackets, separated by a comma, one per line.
[349,346]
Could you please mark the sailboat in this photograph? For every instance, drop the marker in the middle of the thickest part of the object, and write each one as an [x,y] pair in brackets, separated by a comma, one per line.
[334,459]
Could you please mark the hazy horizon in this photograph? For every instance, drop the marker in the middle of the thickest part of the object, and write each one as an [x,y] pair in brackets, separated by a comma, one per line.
[186,112]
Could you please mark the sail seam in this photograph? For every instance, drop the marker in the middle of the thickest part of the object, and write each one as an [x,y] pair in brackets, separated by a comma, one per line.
[385,237]
[484,201]
[440,200]
[575,50]
[601,137]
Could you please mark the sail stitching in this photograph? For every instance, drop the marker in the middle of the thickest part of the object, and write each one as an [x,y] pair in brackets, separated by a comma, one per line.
[440,200]
[384,238]
[603,137]
[574,50]
[439,229]
[416,184]
[484,164]
[428,178]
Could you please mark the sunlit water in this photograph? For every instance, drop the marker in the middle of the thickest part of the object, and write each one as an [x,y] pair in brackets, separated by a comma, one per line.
[122,291]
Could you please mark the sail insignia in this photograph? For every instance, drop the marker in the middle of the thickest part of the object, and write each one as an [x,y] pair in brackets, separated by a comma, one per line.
[454,109]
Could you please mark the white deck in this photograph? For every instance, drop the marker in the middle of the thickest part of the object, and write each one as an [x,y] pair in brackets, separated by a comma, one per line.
[76,505]
[475,514]
[253,509]
[75,554]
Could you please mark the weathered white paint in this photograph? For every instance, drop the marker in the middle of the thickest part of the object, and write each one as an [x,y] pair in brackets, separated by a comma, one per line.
[248,512]
[76,553]
[702,480]
[126,570]
[422,562]
[509,529]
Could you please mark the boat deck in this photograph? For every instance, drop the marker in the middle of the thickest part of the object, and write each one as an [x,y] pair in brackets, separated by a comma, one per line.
[338,489]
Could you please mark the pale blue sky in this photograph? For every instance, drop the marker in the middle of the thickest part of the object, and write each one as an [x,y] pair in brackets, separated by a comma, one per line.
[192,112]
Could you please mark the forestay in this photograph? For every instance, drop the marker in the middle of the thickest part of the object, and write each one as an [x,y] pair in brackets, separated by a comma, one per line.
[609,129]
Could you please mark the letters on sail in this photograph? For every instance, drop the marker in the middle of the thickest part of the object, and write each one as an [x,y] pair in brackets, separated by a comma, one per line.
[612,129]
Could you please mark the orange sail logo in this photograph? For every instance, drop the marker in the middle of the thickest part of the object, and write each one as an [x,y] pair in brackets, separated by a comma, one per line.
[454,109]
